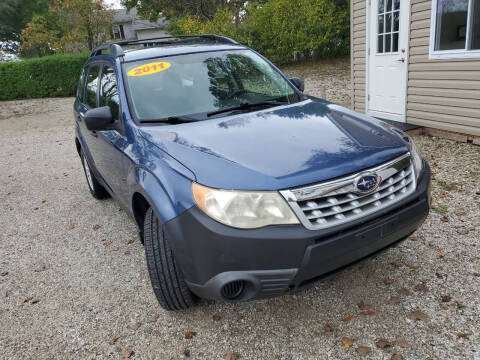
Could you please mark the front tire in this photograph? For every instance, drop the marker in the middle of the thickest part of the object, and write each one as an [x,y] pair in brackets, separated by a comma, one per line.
[97,190]
[167,279]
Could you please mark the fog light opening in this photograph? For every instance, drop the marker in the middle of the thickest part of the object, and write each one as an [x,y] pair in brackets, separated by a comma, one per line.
[234,289]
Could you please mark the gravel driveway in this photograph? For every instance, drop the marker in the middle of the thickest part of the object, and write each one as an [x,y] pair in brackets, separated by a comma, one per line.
[74,283]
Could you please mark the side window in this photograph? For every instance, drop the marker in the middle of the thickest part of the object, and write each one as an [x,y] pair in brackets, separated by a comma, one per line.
[108,91]
[81,86]
[92,86]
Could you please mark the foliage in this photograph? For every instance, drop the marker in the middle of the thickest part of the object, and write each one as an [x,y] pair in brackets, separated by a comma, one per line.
[70,27]
[283,30]
[37,37]
[221,23]
[204,10]
[47,76]
[15,14]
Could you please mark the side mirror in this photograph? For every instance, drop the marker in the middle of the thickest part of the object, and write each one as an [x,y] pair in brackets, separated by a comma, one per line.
[99,119]
[299,83]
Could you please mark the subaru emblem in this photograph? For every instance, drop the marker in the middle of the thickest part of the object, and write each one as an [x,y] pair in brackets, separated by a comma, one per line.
[366,183]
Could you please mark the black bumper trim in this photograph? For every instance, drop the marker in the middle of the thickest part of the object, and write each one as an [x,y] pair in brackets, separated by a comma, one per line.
[260,284]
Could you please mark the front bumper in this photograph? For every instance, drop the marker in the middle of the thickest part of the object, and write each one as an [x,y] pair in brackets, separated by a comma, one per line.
[277,259]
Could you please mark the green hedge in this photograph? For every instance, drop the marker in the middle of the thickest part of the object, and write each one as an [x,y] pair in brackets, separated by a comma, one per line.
[47,76]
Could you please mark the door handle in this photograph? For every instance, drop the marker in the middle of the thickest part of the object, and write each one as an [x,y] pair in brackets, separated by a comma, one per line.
[81,116]
[401,60]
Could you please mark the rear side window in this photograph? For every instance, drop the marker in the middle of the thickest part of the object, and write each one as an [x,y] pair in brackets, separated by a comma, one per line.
[81,86]
[108,90]
[92,86]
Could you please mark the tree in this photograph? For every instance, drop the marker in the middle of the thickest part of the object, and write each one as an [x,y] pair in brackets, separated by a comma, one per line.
[283,30]
[15,14]
[83,21]
[37,38]
[203,9]
[70,27]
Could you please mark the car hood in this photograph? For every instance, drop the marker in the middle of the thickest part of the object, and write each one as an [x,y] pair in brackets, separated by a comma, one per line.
[278,148]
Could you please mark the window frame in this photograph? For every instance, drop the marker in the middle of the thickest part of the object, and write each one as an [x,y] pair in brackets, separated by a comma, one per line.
[116,32]
[451,54]
[391,33]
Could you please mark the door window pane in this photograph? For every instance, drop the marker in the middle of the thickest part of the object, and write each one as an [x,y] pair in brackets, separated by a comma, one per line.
[451,24]
[395,42]
[380,24]
[396,4]
[389,5]
[108,91]
[388,43]
[381,6]
[92,86]
[380,44]
[388,26]
[396,20]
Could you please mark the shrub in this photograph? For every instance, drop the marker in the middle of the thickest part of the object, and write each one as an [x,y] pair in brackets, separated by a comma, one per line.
[287,30]
[47,76]
[283,30]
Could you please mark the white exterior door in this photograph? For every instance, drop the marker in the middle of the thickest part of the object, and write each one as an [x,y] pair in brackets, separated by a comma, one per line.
[387,58]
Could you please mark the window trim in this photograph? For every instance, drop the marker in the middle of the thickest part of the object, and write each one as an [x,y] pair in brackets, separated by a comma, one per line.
[450,54]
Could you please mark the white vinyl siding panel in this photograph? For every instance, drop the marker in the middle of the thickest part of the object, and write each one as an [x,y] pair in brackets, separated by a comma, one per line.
[442,94]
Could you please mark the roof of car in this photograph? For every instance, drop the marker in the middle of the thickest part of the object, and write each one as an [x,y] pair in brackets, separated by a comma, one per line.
[152,52]
[165,46]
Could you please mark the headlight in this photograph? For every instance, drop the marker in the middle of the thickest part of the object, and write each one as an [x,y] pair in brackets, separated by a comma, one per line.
[417,159]
[243,209]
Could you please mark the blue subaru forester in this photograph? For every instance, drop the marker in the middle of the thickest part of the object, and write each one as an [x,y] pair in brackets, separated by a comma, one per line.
[241,185]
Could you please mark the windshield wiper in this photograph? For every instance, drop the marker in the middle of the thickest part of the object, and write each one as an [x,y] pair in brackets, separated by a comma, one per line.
[245,106]
[171,120]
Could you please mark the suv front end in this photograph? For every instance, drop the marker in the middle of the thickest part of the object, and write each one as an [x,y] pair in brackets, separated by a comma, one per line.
[337,226]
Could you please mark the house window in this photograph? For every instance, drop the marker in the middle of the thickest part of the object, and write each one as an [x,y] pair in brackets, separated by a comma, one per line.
[122,34]
[455,29]
[118,32]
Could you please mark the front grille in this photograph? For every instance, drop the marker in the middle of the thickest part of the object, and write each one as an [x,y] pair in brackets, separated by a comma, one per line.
[337,202]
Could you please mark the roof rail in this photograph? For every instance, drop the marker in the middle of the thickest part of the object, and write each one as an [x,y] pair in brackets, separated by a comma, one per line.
[117,51]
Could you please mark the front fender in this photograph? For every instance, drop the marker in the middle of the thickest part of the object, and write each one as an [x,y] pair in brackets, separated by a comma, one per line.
[163,181]
[169,196]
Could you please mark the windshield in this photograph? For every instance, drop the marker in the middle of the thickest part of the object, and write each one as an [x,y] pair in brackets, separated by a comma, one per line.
[198,84]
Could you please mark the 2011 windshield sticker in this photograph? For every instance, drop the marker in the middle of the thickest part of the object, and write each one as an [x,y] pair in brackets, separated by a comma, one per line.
[149,69]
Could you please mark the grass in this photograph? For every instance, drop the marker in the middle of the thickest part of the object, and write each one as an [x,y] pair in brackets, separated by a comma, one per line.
[440,209]
[446,186]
